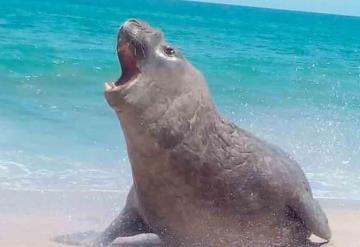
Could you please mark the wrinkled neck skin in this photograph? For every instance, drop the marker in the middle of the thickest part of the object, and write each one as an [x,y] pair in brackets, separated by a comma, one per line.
[155,122]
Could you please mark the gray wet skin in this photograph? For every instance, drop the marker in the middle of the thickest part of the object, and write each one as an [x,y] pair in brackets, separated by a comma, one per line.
[198,179]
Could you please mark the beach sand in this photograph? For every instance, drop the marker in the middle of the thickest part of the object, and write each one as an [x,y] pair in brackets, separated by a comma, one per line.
[34,218]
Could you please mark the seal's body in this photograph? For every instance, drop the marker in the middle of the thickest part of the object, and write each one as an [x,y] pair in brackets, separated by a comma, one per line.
[199,180]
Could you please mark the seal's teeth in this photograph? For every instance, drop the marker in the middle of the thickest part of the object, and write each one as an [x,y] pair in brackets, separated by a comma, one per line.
[107,86]
[113,85]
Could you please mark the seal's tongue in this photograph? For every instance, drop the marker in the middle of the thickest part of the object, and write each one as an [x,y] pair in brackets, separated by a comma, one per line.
[128,63]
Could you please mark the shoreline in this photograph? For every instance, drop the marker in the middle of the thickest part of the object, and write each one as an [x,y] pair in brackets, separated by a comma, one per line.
[33,218]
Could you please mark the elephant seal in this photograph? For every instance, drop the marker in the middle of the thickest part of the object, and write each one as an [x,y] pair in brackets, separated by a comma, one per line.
[198,179]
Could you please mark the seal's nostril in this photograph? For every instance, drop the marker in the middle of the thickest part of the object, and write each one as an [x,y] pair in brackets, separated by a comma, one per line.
[133,21]
[136,23]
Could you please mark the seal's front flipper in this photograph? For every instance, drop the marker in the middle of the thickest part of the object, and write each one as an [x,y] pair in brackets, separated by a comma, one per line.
[78,239]
[88,239]
[141,240]
[128,223]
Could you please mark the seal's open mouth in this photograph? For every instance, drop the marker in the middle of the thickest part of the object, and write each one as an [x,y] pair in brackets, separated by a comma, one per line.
[129,50]
[127,57]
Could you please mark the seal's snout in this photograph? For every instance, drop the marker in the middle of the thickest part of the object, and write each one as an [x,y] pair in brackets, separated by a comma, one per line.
[132,29]
[136,23]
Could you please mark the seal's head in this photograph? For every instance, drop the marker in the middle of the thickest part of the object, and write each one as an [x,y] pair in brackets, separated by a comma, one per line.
[154,74]
[159,94]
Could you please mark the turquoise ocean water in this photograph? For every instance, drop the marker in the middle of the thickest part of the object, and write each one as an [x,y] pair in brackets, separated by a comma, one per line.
[290,78]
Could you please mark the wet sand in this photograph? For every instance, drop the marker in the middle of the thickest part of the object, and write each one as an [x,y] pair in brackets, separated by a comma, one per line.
[34,218]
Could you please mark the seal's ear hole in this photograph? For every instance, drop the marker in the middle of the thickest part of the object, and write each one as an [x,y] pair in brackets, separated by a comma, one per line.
[169,51]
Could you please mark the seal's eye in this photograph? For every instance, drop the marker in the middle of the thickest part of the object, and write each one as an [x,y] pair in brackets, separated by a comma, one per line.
[169,51]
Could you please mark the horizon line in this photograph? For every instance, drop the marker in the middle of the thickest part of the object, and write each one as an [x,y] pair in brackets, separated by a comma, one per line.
[269,8]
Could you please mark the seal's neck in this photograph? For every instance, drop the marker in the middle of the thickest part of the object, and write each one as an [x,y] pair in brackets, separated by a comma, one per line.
[151,144]
[145,135]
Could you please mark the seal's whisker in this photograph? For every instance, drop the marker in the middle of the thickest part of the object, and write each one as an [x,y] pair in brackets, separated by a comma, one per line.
[143,50]
[135,49]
